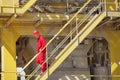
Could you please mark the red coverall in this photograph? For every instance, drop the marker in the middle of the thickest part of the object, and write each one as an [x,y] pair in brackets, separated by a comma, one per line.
[41,42]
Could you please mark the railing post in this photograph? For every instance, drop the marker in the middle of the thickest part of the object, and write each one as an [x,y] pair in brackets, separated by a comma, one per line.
[47,64]
[77,28]
[105,6]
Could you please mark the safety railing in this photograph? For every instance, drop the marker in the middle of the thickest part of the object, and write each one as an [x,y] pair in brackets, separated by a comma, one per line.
[62,42]
[22,8]
[77,38]
[17,9]
[73,32]
[60,32]
[57,34]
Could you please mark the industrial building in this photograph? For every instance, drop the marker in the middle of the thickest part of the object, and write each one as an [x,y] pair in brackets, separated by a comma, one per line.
[82,39]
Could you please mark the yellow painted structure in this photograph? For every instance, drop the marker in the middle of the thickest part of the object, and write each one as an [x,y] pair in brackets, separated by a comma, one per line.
[9,3]
[12,6]
[8,51]
[111,5]
[9,38]
[10,35]
[113,38]
[73,44]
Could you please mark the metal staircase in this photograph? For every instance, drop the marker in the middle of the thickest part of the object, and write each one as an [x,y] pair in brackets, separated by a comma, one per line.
[80,36]
[79,33]
[72,45]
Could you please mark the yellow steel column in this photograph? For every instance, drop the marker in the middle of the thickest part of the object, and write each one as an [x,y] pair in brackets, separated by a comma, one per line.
[113,38]
[8,54]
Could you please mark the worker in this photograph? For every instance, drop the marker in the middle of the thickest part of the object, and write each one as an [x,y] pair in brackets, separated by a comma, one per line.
[41,42]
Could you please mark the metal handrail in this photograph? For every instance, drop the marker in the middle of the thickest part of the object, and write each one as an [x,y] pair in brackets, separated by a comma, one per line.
[35,70]
[63,41]
[73,30]
[59,32]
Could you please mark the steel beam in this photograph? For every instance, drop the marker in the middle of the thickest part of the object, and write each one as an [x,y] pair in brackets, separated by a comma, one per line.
[113,14]
[50,17]
[45,29]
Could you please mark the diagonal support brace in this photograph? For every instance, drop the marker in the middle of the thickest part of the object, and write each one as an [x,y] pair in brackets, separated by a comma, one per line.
[10,20]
